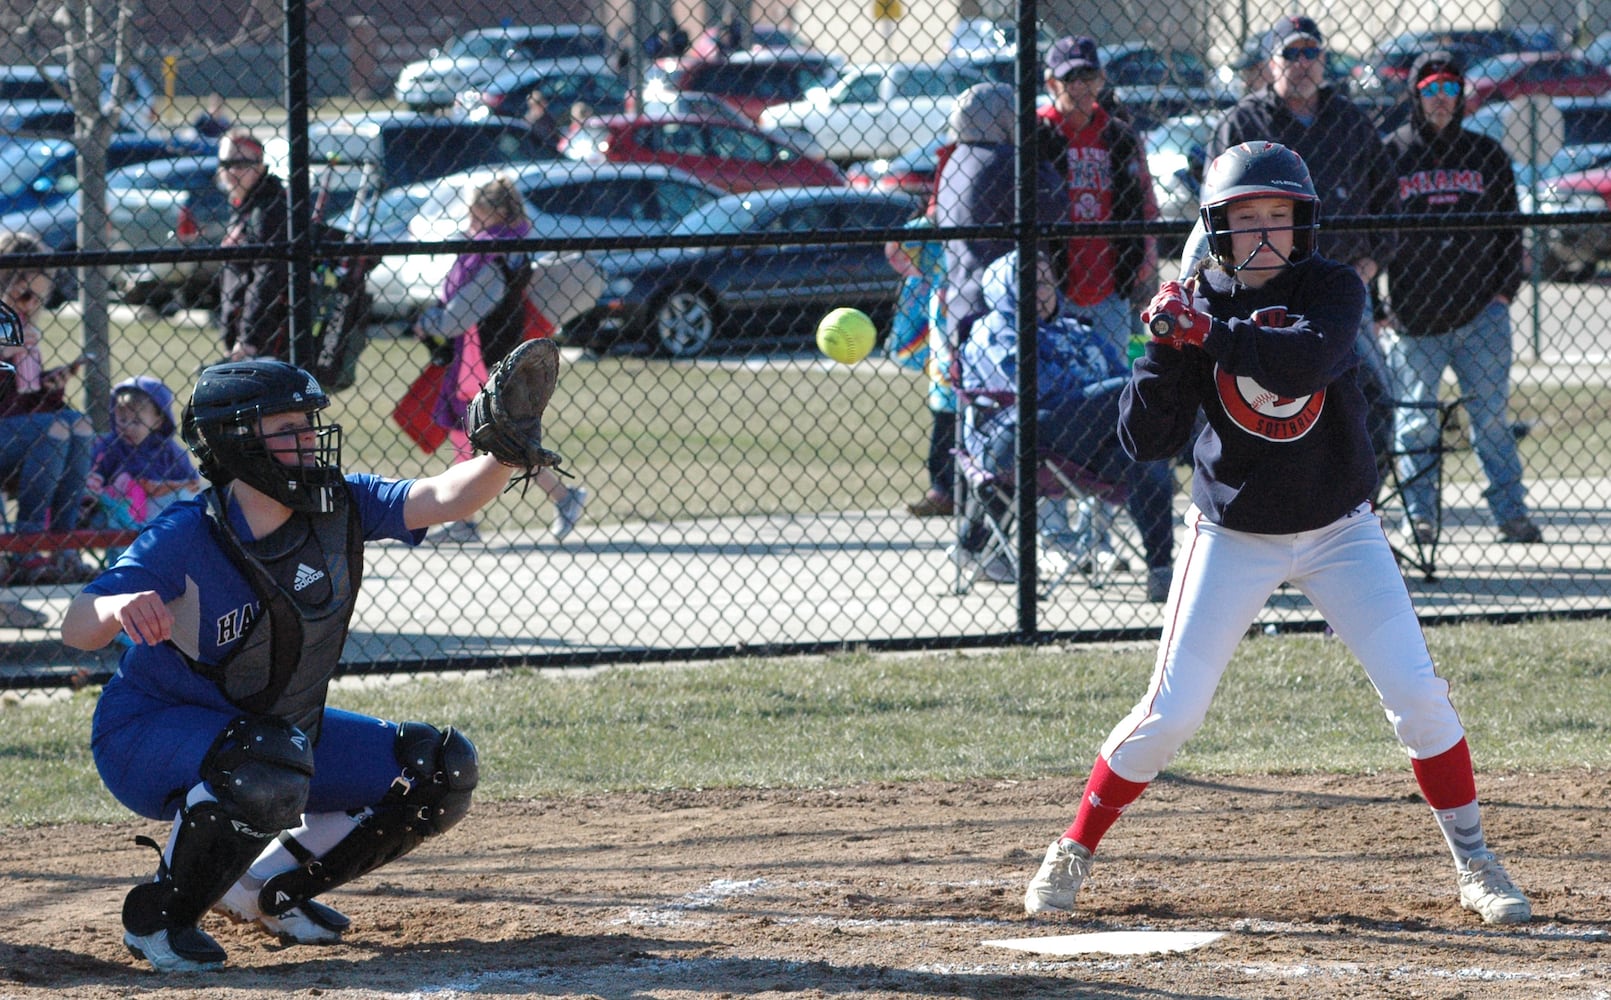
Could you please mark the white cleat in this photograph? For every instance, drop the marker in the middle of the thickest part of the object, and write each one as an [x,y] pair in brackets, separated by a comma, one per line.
[1054,887]
[310,922]
[182,949]
[1486,889]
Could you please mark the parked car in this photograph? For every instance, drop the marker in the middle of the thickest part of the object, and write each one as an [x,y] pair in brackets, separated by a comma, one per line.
[36,119]
[25,82]
[1177,152]
[731,156]
[564,200]
[471,60]
[1156,84]
[563,83]
[912,172]
[680,301]
[1598,51]
[878,109]
[983,36]
[405,147]
[762,38]
[749,81]
[1563,122]
[1574,253]
[1386,67]
[38,173]
[150,205]
[1517,74]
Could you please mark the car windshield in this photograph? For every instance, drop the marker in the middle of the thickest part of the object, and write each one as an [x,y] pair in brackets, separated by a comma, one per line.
[560,47]
[158,175]
[722,217]
[1497,67]
[387,217]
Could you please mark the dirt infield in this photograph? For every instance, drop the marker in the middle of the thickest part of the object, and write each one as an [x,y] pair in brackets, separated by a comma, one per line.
[1322,885]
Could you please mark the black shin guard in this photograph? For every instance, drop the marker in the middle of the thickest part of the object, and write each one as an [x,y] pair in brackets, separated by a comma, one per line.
[430,795]
[210,851]
[259,769]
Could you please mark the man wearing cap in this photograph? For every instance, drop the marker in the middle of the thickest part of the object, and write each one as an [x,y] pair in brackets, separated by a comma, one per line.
[1303,112]
[1451,291]
[253,308]
[1105,172]
[1252,64]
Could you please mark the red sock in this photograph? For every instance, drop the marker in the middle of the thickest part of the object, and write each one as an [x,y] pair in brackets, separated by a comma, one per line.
[1105,799]
[1446,780]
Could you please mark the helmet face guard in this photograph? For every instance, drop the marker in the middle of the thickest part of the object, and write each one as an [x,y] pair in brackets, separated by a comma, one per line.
[223,424]
[1259,170]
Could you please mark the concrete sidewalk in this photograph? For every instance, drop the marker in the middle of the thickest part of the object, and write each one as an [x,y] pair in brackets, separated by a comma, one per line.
[612,591]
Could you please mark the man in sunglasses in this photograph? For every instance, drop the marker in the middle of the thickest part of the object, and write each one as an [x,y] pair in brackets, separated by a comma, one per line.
[1303,112]
[254,308]
[1451,291]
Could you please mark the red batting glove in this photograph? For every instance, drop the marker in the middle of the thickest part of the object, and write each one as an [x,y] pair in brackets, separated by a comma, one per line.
[1172,319]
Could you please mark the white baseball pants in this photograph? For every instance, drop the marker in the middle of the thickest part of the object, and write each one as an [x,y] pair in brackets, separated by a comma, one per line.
[1222,579]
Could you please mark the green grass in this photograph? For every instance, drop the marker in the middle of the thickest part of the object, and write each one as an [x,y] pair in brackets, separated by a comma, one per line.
[1533,697]
[652,439]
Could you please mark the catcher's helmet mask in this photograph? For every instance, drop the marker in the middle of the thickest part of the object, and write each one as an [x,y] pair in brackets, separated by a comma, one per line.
[223,425]
[1259,170]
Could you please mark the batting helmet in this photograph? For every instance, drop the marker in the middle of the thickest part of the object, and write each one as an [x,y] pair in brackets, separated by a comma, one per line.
[1258,170]
[222,424]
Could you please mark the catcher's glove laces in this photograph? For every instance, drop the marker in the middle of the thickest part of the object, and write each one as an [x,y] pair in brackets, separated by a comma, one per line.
[505,419]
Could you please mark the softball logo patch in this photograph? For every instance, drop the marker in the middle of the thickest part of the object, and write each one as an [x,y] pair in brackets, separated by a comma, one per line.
[1267,414]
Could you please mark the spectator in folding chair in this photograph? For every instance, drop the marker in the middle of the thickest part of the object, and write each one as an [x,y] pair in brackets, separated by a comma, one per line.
[1080,377]
[976,185]
[45,446]
[14,614]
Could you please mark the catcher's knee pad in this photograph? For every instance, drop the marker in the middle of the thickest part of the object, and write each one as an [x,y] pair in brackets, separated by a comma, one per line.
[440,771]
[429,795]
[260,769]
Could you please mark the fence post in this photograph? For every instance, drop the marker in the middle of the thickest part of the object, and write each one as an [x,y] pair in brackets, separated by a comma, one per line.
[301,215]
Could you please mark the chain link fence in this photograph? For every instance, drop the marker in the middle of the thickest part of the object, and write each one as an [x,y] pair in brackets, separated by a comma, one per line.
[704,184]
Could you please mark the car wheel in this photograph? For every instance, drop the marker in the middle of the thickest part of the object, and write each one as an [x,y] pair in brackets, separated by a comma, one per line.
[1571,272]
[685,323]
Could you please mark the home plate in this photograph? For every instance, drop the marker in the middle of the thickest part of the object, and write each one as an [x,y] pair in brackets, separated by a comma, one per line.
[1112,942]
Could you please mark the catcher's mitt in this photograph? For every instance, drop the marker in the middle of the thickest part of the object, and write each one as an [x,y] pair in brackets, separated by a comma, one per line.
[505,419]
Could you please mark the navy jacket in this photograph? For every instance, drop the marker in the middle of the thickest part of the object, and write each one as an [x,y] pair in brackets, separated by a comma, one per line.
[1342,150]
[1285,447]
[1441,279]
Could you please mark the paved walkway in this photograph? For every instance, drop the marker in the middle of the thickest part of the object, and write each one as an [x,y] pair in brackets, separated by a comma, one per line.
[838,577]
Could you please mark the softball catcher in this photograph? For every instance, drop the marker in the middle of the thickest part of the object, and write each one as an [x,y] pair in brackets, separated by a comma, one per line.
[1261,341]
[236,605]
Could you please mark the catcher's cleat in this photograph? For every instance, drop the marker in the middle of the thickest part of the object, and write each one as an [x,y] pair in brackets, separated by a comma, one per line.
[1486,889]
[1052,890]
[177,949]
[309,922]
[568,512]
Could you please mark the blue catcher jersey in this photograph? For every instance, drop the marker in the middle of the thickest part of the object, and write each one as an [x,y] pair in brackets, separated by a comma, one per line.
[177,557]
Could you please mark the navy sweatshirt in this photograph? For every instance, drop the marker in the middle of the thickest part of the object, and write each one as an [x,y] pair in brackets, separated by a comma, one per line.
[1285,447]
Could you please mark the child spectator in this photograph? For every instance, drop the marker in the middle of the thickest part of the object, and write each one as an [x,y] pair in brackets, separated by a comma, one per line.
[139,467]
[918,323]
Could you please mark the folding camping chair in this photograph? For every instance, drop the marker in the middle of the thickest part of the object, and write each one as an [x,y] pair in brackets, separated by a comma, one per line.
[1414,551]
[988,502]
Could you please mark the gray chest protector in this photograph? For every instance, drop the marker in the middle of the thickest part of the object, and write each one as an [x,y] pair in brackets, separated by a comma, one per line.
[306,575]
